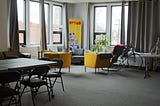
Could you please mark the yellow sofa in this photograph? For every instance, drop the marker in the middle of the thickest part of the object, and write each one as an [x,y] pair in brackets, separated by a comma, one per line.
[65,56]
[94,60]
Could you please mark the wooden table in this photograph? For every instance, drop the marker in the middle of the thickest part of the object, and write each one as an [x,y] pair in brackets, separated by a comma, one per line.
[22,63]
[147,56]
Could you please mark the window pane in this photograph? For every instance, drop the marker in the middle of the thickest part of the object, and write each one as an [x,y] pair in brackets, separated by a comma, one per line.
[21,38]
[46,6]
[56,38]
[126,21]
[57,20]
[21,14]
[34,24]
[100,19]
[116,25]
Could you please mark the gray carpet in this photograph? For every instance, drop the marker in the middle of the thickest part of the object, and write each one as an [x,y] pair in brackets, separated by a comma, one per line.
[126,87]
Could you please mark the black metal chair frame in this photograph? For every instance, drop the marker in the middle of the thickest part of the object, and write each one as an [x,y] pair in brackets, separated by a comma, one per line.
[7,92]
[57,74]
[35,81]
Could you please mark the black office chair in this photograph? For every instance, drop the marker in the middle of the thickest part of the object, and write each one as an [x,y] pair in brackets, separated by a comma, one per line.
[9,95]
[56,74]
[117,52]
[35,81]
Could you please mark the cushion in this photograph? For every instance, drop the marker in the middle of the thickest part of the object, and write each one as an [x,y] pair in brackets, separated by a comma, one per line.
[11,54]
[78,52]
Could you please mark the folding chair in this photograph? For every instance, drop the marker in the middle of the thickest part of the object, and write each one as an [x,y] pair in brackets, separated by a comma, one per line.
[35,81]
[57,74]
[9,94]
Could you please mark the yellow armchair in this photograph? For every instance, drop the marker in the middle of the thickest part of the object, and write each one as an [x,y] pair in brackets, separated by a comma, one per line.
[93,60]
[65,56]
[51,55]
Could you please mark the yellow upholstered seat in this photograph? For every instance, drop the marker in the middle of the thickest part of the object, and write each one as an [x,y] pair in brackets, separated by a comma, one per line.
[94,60]
[65,56]
[51,55]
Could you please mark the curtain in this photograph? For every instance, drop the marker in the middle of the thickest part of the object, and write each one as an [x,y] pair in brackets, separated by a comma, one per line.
[13,26]
[65,27]
[88,27]
[123,23]
[43,27]
[143,24]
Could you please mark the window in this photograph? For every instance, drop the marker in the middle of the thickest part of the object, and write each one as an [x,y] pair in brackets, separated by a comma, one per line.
[100,21]
[126,21]
[21,22]
[57,21]
[34,22]
[116,25]
[107,21]
[46,8]
[22,37]
[29,19]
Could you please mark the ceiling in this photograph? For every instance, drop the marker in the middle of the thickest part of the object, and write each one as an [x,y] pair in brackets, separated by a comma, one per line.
[82,1]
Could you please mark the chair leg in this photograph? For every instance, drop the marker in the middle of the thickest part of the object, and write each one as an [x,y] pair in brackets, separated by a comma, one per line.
[32,93]
[55,81]
[23,91]
[1,102]
[51,87]
[62,83]
[48,92]
[12,97]
[69,68]
[19,100]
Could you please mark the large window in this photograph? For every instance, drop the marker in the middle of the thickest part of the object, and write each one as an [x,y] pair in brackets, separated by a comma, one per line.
[57,21]
[100,21]
[34,22]
[107,21]
[116,25]
[21,22]
[29,20]
[46,7]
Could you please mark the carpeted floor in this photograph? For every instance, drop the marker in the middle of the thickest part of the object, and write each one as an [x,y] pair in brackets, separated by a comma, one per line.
[126,87]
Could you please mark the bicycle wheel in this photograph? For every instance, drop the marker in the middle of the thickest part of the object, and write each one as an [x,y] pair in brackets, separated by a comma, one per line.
[135,60]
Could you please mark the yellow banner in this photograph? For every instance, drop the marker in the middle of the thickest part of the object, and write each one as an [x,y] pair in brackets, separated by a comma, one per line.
[75,30]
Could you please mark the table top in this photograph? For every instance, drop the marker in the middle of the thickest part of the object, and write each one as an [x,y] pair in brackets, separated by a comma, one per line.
[22,63]
[149,55]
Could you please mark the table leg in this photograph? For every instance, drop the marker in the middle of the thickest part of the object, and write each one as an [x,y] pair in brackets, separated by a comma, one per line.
[147,75]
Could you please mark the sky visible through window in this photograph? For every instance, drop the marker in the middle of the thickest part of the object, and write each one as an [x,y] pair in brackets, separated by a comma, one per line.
[100,19]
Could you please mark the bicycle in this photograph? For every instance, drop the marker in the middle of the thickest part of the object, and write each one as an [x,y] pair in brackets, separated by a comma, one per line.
[130,57]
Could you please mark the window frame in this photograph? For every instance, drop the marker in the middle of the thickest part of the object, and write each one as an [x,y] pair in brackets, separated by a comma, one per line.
[29,22]
[23,31]
[57,32]
[60,34]
[24,37]
[108,19]
[94,32]
[111,24]
[26,32]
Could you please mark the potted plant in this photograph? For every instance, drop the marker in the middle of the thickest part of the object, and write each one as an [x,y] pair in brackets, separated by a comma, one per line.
[101,42]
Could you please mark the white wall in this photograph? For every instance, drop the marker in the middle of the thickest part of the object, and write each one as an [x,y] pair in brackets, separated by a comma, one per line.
[34,50]
[3,25]
[79,11]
